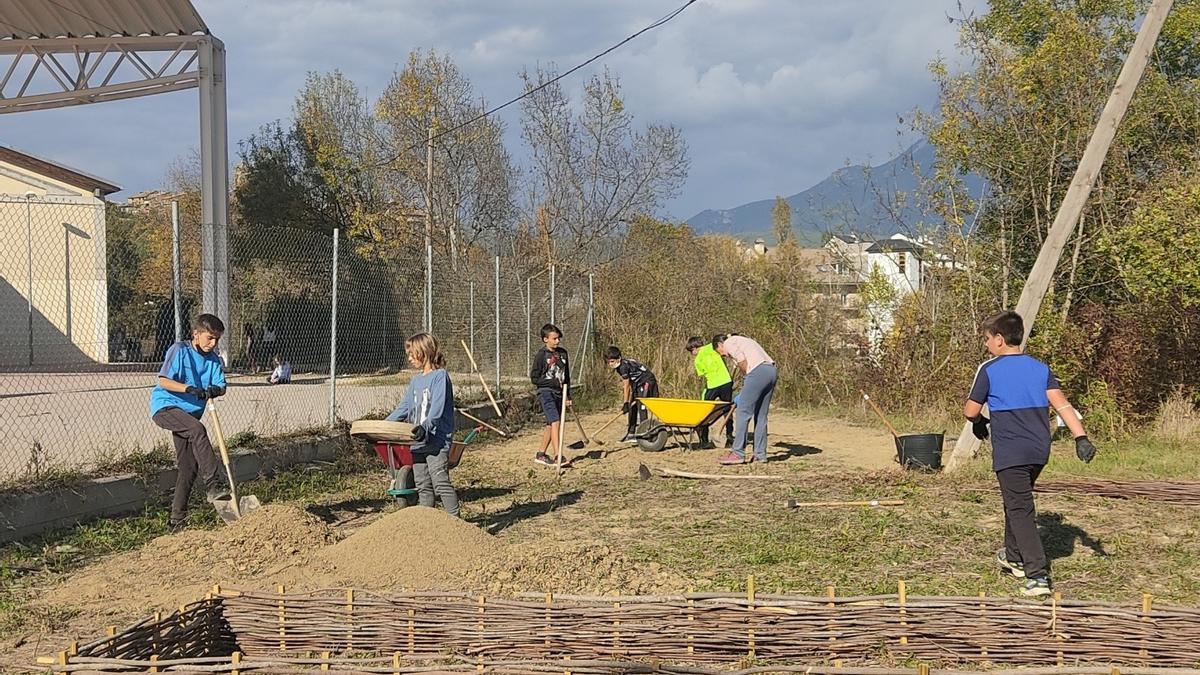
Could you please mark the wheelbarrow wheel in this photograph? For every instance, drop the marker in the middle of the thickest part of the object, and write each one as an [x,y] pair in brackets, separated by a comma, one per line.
[656,442]
[404,487]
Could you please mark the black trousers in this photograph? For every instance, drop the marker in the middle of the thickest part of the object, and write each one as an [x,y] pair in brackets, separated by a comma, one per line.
[721,393]
[193,453]
[646,389]
[1021,539]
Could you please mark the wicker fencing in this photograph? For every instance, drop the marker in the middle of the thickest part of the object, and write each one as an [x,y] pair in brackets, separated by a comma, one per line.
[1171,492]
[357,631]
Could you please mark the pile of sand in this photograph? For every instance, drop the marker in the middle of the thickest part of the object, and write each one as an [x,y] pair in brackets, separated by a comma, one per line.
[584,568]
[416,547]
[178,568]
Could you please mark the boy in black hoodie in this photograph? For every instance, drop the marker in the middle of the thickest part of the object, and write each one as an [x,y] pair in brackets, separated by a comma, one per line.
[551,374]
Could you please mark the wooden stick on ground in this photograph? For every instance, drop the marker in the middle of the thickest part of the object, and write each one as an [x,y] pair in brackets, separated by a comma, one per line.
[793,504]
[473,418]
[672,473]
[486,388]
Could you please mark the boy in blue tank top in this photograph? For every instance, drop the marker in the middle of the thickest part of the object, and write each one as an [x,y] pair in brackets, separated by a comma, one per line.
[1018,391]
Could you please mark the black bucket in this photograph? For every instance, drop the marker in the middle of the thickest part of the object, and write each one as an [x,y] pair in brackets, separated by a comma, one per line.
[922,452]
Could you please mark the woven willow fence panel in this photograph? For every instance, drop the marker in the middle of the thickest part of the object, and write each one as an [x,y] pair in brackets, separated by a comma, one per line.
[365,632]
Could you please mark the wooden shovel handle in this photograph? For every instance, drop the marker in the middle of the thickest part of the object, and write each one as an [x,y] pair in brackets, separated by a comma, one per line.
[867,398]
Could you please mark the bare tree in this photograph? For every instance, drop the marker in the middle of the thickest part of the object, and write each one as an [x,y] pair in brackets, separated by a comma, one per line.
[592,172]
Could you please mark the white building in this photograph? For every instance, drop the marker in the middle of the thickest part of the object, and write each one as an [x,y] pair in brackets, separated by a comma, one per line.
[53,271]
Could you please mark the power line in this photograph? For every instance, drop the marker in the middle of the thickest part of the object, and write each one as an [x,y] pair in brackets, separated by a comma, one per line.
[552,80]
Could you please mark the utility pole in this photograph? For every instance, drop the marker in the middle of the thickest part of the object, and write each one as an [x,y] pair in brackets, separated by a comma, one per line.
[1072,205]
[429,230]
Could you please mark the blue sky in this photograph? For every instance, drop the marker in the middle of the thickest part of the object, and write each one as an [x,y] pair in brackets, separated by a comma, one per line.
[772,95]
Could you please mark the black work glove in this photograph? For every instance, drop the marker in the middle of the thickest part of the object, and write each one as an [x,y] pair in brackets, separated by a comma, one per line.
[198,392]
[418,433]
[214,391]
[625,407]
[1084,449]
[980,428]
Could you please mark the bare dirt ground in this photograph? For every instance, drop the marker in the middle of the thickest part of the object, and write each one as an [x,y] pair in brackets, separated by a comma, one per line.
[602,529]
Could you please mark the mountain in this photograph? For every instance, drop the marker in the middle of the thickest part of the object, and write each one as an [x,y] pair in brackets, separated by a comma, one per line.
[857,199]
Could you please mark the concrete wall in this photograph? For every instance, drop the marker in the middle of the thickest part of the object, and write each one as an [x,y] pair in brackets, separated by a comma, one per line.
[62,232]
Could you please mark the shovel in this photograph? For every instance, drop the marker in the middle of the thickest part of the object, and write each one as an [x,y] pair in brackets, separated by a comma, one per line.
[233,508]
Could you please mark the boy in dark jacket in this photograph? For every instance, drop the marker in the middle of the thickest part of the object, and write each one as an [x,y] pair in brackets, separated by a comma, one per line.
[1018,389]
[636,382]
[551,374]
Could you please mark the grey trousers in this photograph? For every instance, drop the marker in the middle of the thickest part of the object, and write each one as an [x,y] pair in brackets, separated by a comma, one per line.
[193,453]
[432,476]
[754,400]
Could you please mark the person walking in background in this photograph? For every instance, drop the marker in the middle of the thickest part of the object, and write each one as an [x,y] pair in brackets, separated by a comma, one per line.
[754,400]
[718,385]
[267,342]
[250,347]
[428,404]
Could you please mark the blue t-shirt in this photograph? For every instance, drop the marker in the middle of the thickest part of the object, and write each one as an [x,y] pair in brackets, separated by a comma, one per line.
[429,402]
[184,363]
[1014,388]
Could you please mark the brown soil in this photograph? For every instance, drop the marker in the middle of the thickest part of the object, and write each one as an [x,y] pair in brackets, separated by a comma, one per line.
[417,547]
[586,568]
[179,568]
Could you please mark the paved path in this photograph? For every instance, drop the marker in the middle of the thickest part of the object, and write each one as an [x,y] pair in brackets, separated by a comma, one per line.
[77,420]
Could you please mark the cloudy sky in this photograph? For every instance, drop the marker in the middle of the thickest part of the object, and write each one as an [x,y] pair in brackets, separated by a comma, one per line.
[772,95]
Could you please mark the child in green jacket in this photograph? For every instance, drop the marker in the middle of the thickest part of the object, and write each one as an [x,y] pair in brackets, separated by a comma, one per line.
[718,385]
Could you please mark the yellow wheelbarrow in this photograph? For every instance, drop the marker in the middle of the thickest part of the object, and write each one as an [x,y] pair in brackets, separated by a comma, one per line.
[678,417]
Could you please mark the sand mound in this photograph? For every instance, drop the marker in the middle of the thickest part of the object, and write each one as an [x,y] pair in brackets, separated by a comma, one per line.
[587,568]
[416,547]
[178,568]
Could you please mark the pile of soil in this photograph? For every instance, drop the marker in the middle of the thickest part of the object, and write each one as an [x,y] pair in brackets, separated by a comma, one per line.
[416,547]
[581,568]
[175,569]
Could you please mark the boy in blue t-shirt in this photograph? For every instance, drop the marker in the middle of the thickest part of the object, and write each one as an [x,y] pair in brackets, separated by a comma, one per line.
[191,374]
[1018,389]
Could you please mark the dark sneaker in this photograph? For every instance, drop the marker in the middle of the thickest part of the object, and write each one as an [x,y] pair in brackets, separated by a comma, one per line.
[1012,567]
[707,445]
[176,525]
[1036,587]
[629,438]
[544,459]
[729,459]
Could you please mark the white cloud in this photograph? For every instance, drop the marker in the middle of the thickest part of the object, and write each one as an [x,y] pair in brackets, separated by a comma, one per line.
[771,95]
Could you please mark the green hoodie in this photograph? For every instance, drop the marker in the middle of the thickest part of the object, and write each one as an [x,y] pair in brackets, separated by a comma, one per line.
[711,367]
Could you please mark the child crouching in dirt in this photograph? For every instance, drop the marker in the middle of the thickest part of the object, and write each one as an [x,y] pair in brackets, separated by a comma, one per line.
[636,382]
[191,374]
[1017,390]
[428,404]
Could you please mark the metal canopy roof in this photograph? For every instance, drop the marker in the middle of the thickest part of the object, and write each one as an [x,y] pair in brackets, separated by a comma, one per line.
[32,19]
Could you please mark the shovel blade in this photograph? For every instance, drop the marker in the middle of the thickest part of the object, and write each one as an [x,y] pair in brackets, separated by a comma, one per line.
[225,510]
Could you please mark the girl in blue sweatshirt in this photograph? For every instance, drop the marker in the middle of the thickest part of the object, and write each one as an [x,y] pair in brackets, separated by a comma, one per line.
[428,405]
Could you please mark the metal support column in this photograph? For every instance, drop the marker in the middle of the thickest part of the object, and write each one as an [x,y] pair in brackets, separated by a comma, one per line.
[175,286]
[333,317]
[214,183]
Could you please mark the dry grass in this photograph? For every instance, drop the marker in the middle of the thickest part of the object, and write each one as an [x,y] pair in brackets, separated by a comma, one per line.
[1178,420]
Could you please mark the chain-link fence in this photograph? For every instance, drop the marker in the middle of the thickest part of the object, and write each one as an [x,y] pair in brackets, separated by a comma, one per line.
[92,295]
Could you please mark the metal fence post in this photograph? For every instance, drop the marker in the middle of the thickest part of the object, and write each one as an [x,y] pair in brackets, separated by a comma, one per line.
[175,290]
[552,294]
[497,323]
[333,336]
[29,196]
[428,287]
[528,320]
[471,291]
